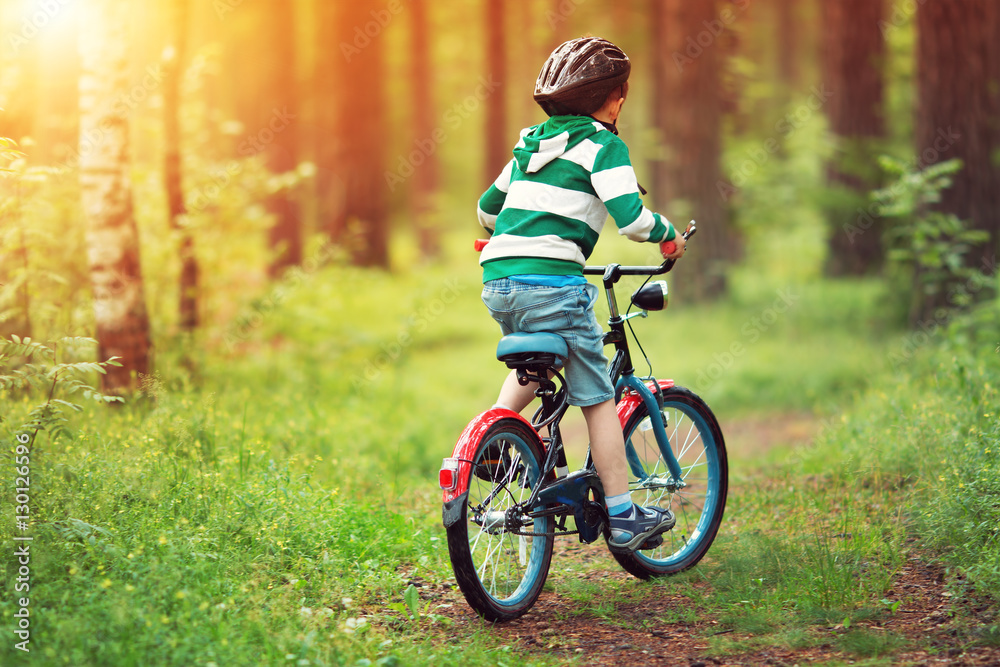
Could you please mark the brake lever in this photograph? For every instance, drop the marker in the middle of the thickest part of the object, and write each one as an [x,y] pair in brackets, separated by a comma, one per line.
[668,264]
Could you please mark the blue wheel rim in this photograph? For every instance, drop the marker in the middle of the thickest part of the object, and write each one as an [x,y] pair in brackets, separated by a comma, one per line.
[491,552]
[699,459]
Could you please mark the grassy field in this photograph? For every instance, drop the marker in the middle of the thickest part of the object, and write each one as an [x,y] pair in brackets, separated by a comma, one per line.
[273,507]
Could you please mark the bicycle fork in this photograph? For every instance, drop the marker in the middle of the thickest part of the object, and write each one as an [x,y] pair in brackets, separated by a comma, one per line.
[654,407]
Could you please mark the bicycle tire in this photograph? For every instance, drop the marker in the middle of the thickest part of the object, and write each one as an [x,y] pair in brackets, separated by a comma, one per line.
[500,573]
[698,444]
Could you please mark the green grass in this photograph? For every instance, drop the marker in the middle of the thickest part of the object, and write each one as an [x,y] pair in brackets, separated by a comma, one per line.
[253,513]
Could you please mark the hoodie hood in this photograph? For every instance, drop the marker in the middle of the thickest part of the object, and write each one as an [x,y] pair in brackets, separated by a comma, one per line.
[541,144]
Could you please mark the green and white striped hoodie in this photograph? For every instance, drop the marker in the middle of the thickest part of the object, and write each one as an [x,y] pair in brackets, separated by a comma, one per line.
[546,209]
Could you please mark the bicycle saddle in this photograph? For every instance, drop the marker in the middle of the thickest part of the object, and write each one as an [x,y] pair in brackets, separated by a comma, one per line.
[522,349]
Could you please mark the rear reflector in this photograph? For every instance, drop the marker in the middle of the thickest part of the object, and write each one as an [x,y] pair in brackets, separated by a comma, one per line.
[448,475]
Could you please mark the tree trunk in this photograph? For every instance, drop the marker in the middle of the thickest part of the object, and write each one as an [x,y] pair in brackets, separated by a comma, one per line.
[498,144]
[854,53]
[112,239]
[958,115]
[665,40]
[788,42]
[173,73]
[327,87]
[689,112]
[281,93]
[425,177]
[361,223]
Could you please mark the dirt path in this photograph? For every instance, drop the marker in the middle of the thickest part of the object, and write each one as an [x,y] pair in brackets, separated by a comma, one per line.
[638,629]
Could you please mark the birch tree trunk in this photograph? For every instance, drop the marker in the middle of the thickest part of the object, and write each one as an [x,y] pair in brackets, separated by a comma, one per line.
[112,239]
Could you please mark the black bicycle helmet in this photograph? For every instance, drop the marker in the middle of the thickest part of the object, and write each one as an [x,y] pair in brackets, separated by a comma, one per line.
[579,75]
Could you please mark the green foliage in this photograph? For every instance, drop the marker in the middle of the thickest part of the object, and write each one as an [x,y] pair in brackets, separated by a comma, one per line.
[37,370]
[927,248]
[8,152]
[932,434]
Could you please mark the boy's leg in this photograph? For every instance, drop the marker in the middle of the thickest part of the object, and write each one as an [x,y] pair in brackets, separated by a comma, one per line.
[607,446]
[515,397]
[631,526]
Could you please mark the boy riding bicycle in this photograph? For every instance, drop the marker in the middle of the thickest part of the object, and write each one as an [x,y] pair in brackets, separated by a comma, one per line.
[544,213]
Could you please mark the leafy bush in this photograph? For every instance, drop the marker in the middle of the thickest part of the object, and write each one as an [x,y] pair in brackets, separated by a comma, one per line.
[927,247]
[29,366]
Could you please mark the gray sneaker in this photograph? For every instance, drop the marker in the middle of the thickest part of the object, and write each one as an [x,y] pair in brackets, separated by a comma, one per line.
[629,533]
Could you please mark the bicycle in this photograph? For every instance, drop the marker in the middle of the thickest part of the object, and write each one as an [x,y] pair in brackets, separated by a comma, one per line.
[504,503]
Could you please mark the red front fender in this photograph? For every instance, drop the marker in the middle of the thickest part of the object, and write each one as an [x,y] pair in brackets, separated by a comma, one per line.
[465,448]
[631,400]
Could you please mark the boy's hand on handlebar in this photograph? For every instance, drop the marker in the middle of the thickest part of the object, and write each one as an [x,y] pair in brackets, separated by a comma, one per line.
[673,249]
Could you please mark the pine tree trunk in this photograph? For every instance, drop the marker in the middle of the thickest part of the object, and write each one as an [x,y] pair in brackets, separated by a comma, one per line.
[280,113]
[788,43]
[691,116]
[854,53]
[958,115]
[361,223]
[173,72]
[497,142]
[665,37]
[112,239]
[425,177]
[326,94]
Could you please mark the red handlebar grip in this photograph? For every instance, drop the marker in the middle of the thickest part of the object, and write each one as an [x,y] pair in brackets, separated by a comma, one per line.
[668,247]
[480,244]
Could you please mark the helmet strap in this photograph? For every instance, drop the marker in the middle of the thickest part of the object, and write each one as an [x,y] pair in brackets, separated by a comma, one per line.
[610,127]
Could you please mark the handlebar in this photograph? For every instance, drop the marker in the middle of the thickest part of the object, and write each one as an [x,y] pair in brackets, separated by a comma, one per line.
[667,265]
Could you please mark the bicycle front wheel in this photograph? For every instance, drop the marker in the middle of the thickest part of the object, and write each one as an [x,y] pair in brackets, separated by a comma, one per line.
[500,571]
[698,445]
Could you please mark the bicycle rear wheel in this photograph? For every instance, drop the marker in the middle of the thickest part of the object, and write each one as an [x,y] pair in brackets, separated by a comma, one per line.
[698,445]
[500,572]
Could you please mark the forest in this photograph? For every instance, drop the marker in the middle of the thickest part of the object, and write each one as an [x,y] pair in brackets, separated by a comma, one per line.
[240,325]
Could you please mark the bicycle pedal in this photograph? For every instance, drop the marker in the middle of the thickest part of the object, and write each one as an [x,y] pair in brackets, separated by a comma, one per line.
[651,543]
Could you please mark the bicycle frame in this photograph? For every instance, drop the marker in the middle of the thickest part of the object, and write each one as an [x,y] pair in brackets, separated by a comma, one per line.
[570,495]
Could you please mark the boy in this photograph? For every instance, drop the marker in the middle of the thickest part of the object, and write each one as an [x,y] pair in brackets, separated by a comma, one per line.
[545,212]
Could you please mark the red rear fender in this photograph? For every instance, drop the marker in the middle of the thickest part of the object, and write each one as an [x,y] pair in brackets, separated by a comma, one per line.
[467,443]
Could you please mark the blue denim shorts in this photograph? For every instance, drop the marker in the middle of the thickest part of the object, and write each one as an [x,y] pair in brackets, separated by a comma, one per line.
[567,311]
